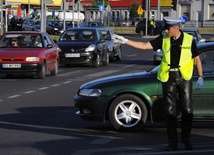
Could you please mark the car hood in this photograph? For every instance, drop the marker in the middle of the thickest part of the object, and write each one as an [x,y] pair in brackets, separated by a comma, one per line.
[75,45]
[4,52]
[142,76]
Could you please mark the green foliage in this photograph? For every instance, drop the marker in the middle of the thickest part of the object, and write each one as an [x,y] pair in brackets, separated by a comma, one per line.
[133,10]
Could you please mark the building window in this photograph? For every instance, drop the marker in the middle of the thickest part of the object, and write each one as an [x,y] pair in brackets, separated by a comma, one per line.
[211,12]
[185,10]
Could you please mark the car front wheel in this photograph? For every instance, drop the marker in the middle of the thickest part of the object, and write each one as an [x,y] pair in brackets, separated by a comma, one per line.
[54,72]
[96,62]
[42,73]
[128,113]
[141,33]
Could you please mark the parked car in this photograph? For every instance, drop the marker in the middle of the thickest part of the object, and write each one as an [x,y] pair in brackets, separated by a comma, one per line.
[84,46]
[157,56]
[35,53]
[91,24]
[115,49]
[31,25]
[128,101]
[141,27]
[56,27]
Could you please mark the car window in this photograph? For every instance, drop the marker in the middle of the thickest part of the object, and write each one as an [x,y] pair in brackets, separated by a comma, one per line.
[207,60]
[23,40]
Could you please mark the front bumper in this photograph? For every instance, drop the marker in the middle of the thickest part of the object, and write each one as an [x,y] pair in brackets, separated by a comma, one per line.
[24,69]
[84,58]
[90,108]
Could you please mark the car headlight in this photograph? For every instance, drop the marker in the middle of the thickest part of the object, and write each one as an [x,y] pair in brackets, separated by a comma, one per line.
[56,29]
[32,59]
[90,48]
[90,92]
[59,49]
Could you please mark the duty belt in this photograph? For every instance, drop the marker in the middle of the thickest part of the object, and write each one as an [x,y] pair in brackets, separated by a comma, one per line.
[174,69]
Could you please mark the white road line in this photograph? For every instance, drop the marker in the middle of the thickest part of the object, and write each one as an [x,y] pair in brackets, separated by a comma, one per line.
[66,82]
[1,100]
[55,85]
[69,73]
[28,92]
[42,88]
[102,73]
[14,96]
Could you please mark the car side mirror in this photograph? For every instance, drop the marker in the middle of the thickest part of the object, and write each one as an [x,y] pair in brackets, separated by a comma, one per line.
[202,41]
[49,46]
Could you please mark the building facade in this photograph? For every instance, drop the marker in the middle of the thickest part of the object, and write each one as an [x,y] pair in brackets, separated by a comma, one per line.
[199,12]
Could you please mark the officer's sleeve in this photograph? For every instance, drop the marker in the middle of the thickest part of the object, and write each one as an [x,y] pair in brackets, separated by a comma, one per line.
[157,43]
[195,51]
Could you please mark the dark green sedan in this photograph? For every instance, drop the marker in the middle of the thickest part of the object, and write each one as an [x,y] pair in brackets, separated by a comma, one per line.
[129,100]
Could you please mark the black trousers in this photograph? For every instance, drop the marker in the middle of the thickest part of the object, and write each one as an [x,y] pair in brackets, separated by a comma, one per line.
[178,89]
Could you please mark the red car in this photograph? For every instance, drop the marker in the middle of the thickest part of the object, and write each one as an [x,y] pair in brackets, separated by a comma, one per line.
[26,52]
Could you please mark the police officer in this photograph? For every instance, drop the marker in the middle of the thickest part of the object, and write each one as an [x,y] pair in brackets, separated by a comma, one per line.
[180,54]
[152,25]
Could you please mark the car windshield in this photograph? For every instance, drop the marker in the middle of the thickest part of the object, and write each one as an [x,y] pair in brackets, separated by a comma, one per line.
[21,40]
[78,35]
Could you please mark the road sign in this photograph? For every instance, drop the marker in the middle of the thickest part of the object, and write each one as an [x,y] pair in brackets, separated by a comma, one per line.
[140,10]
[101,8]
[78,7]
[108,8]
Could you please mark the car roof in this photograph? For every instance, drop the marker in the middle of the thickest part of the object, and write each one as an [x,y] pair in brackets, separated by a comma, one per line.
[89,28]
[188,29]
[205,46]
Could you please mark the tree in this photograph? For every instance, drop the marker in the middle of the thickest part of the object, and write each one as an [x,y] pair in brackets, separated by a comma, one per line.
[133,10]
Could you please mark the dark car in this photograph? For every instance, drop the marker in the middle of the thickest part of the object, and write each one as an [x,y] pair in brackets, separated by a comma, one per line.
[31,25]
[129,100]
[84,46]
[91,24]
[56,27]
[28,52]
[157,56]
[141,27]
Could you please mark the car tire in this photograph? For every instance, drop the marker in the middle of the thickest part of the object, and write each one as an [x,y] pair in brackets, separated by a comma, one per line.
[96,62]
[54,72]
[128,113]
[119,54]
[106,59]
[141,33]
[42,73]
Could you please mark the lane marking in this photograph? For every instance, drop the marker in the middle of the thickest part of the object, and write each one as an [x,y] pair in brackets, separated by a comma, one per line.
[55,85]
[14,96]
[42,88]
[28,92]
[102,73]
[69,73]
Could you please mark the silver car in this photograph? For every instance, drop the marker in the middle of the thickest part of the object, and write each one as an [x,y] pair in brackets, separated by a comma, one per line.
[157,56]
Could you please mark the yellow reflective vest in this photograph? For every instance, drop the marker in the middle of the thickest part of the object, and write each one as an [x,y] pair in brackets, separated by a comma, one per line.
[152,21]
[186,61]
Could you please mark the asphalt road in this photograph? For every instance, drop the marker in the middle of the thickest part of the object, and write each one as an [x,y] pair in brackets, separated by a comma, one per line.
[37,117]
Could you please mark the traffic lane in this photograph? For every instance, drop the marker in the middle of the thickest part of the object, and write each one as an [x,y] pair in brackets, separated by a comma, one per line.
[17,85]
[44,116]
[55,129]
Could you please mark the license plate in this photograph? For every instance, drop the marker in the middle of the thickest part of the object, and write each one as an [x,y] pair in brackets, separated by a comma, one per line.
[72,55]
[11,65]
